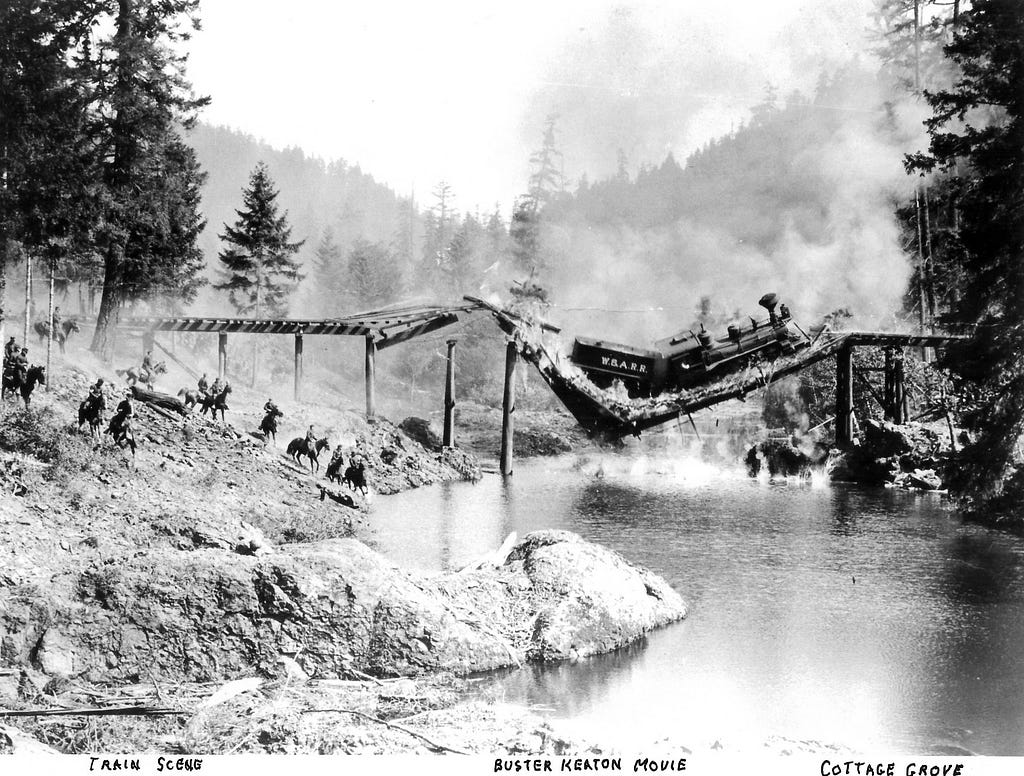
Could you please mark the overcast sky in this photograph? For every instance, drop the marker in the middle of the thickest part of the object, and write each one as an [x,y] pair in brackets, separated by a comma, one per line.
[447,89]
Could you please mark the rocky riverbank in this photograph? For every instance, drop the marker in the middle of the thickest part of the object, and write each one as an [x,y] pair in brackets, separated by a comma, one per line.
[209,580]
[913,456]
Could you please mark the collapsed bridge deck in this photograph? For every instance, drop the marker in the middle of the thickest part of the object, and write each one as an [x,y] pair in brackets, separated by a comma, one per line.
[610,413]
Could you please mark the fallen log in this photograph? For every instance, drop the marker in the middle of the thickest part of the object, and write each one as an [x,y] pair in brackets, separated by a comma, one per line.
[158,399]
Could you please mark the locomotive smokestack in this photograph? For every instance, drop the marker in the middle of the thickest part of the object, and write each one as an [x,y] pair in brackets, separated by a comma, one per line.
[769,302]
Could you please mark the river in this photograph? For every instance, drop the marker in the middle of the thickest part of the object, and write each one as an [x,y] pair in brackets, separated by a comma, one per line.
[868,619]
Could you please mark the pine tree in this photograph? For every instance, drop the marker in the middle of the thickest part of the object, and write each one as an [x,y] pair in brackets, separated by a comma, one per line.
[44,152]
[139,102]
[545,183]
[259,269]
[373,276]
[328,270]
[978,127]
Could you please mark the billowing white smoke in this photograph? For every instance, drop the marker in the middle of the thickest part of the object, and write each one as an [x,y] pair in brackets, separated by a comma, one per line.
[824,206]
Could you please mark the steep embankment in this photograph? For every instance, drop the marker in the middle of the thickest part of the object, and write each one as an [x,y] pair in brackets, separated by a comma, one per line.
[209,558]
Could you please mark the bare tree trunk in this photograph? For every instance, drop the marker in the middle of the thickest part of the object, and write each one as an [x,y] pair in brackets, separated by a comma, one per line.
[256,337]
[49,338]
[917,45]
[929,260]
[28,294]
[106,320]
[4,252]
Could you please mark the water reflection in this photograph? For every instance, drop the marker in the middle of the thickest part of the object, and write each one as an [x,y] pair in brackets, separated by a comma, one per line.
[864,617]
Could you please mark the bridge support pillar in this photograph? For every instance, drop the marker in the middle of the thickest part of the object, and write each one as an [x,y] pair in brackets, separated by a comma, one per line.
[298,366]
[844,396]
[899,392]
[508,406]
[222,354]
[371,399]
[449,396]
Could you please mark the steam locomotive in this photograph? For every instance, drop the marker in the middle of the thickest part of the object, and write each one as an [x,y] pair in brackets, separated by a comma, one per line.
[689,359]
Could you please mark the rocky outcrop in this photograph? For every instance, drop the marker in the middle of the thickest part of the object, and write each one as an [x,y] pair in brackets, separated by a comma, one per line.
[419,430]
[396,462]
[332,608]
[909,455]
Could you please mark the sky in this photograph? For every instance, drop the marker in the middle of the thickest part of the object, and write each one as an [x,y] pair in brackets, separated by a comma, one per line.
[416,93]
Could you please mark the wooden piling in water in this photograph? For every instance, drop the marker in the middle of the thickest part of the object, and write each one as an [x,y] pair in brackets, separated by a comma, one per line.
[298,366]
[899,390]
[844,396]
[371,400]
[222,354]
[507,408]
[449,396]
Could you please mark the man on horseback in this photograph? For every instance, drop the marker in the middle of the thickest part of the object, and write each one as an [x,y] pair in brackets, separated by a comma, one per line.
[269,423]
[93,405]
[20,365]
[310,439]
[204,385]
[120,426]
[10,350]
[55,322]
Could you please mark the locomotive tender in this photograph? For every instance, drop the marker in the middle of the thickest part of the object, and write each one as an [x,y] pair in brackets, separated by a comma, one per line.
[689,359]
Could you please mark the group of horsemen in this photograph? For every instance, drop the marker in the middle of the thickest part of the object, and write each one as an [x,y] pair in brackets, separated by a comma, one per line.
[16,359]
[15,365]
[120,428]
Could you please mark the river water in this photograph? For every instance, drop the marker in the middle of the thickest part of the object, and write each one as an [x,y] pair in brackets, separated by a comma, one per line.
[869,619]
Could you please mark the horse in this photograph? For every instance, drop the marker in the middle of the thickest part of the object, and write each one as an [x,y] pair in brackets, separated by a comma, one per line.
[299,447]
[89,411]
[355,477]
[214,402]
[135,375]
[190,398]
[120,430]
[14,381]
[67,328]
[334,467]
[269,424]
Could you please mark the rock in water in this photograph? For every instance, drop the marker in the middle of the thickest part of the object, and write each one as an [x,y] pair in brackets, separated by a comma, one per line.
[589,599]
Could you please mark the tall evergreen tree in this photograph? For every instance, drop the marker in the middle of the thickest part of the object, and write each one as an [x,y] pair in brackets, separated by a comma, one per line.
[139,99]
[328,269]
[44,152]
[259,269]
[373,276]
[978,129]
[546,181]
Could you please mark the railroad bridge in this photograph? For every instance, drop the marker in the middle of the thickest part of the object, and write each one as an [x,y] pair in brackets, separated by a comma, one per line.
[386,328]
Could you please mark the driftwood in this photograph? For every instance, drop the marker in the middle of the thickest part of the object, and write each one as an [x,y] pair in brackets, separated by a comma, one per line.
[95,711]
[493,559]
[157,399]
[433,745]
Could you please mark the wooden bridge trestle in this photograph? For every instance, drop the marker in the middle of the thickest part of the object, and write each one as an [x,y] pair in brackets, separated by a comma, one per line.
[380,329]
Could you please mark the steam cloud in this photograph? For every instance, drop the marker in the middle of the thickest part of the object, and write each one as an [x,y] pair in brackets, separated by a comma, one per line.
[813,221]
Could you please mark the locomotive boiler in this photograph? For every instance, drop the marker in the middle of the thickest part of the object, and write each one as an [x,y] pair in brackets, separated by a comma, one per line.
[689,359]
